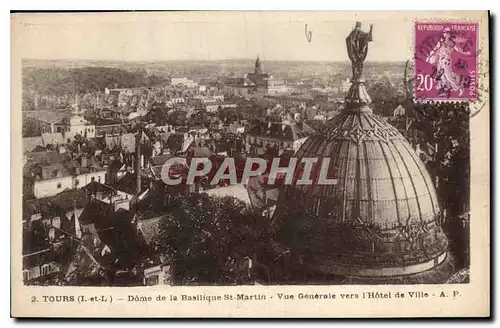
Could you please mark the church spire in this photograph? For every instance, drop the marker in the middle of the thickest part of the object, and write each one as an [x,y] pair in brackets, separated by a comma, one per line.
[258,69]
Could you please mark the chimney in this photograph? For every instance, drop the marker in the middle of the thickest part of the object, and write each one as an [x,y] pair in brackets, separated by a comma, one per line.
[52,234]
[139,163]
[78,229]
[83,161]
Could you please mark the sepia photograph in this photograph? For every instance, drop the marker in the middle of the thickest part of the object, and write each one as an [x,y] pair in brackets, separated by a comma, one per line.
[242,149]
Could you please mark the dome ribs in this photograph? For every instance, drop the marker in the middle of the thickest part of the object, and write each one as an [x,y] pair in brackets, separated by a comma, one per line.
[404,185]
[427,179]
[382,210]
[398,216]
[370,215]
[357,202]
[365,172]
[346,178]
[423,191]
[348,123]
[335,168]
[366,123]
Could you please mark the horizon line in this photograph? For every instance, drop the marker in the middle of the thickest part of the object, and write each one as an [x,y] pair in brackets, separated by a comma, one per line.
[209,60]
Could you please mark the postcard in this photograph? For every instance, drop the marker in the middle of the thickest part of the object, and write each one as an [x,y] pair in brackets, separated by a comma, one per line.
[250,164]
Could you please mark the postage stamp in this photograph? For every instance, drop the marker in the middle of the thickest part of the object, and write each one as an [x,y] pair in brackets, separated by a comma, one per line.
[446,58]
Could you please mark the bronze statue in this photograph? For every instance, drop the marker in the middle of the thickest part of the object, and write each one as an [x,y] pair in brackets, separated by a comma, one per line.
[357,48]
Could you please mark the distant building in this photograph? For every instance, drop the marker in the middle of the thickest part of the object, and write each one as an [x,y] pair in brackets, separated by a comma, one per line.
[256,82]
[78,125]
[301,101]
[126,91]
[215,107]
[278,136]
[51,179]
[237,90]
[175,81]
[177,100]
[399,111]
[126,96]
[265,83]
[345,85]
[157,275]
[47,121]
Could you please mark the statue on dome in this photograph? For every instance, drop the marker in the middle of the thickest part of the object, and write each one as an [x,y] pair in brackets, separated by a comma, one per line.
[357,48]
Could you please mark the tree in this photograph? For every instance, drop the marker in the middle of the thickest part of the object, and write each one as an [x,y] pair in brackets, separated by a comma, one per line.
[207,238]
[384,96]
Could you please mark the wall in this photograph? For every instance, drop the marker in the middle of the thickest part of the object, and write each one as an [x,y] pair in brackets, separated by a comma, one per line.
[51,187]
[37,272]
[86,178]
[82,129]
[157,275]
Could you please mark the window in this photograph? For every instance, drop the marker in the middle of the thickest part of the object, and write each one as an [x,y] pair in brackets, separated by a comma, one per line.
[45,269]
[98,179]
[59,185]
[26,275]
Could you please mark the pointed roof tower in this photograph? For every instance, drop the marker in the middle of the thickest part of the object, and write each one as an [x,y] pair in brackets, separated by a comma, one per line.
[258,68]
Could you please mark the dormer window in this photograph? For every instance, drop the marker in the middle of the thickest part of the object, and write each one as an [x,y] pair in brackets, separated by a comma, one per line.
[45,270]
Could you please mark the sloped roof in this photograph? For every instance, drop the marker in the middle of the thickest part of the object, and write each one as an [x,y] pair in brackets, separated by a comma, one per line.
[281,131]
[65,201]
[53,138]
[47,157]
[160,159]
[128,184]
[29,144]
[148,228]
[46,116]
[95,212]
[95,186]
[54,170]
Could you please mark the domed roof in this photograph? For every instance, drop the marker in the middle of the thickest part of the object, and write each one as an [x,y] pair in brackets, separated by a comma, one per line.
[381,179]
[381,215]
[381,219]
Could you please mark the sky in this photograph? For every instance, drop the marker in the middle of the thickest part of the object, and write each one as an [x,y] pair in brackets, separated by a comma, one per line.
[207,36]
